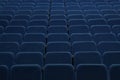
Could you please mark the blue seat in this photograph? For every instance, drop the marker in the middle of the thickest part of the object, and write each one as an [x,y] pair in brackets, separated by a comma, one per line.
[57,16]
[118,36]
[57,12]
[111,16]
[15,29]
[9,47]
[40,16]
[7,59]
[4,22]
[103,7]
[79,46]
[79,29]
[11,37]
[1,29]
[81,37]
[111,57]
[32,47]
[37,29]
[26,72]
[74,12]
[58,72]
[108,11]
[58,58]
[113,22]
[58,46]
[57,8]
[7,12]
[114,72]
[18,22]
[23,12]
[89,7]
[3,72]
[75,16]
[105,46]
[88,12]
[57,29]
[94,16]
[104,37]
[35,12]
[37,22]
[29,58]
[58,22]
[100,29]
[5,17]
[91,72]
[34,37]
[21,16]
[97,22]
[57,37]
[73,22]
[116,29]
[87,57]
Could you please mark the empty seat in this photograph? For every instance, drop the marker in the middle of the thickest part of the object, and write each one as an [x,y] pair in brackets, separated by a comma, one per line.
[108,46]
[58,22]
[93,16]
[58,58]
[34,37]
[7,59]
[57,37]
[91,72]
[11,37]
[114,72]
[83,46]
[87,12]
[58,72]
[9,47]
[108,11]
[113,22]
[77,22]
[104,37]
[97,22]
[1,29]
[58,47]
[58,16]
[29,58]
[36,29]
[21,16]
[23,12]
[75,16]
[116,29]
[20,22]
[37,22]
[102,7]
[75,12]
[3,72]
[100,29]
[87,57]
[32,47]
[15,29]
[4,22]
[57,12]
[35,12]
[26,72]
[57,29]
[5,17]
[111,16]
[40,16]
[80,37]
[79,29]
[111,57]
